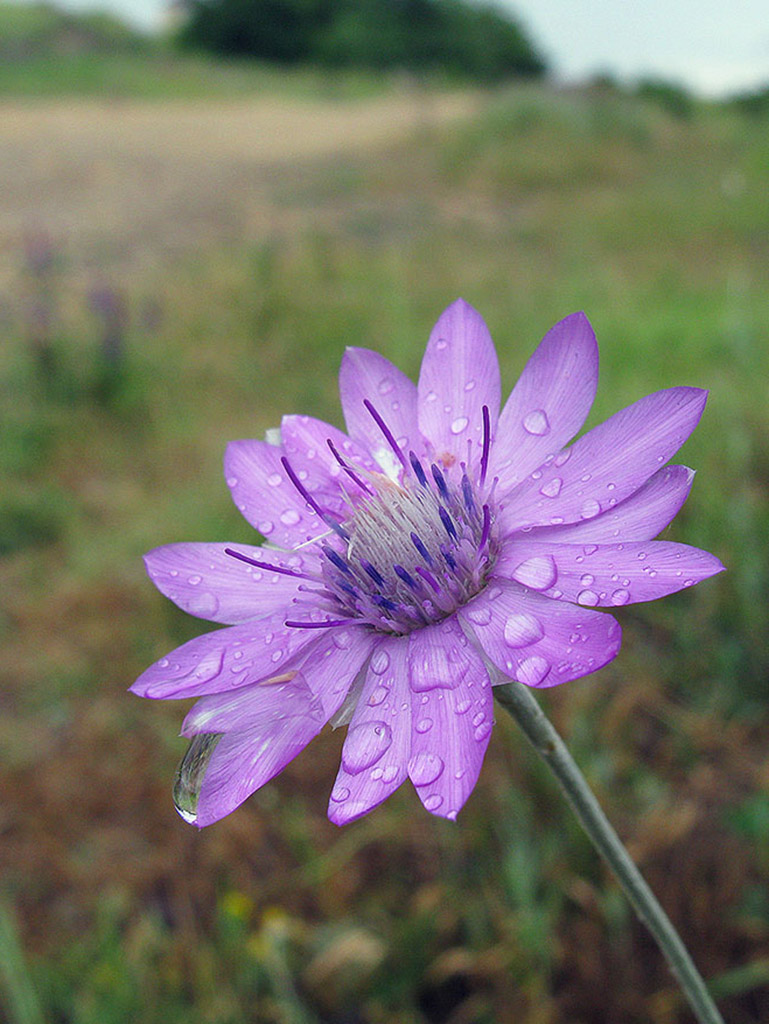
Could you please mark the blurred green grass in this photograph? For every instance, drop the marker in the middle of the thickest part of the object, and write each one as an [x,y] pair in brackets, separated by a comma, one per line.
[544,203]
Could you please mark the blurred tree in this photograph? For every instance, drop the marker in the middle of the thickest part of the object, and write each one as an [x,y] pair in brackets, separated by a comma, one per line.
[477,40]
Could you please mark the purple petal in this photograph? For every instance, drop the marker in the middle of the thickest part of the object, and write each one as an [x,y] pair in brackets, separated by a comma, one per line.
[305,443]
[606,465]
[265,495]
[538,641]
[377,746]
[252,707]
[204,581]
[640,517]
[608,574]
[452,716]
[459,375]
[366,375]
[549,403]
[225,660]
[244,761]
[332,664]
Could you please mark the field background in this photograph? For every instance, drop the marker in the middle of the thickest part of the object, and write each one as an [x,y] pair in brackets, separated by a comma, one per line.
[185,251]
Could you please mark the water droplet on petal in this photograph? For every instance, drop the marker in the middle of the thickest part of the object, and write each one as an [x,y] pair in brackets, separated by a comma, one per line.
[590,508]
[469,385]
[587,597]
[586,579]
[538,572]
[552,488]
[232,481]
[380,662]
[385,386]
[459,424]
[590,549]
[265,527]
[536,422]
[425,768]
[532,670]
[274,479]
[432,803]
[191,773]
[290,517]
[463,707]
[205,605]
[480,614]
[523,629]
[364,746]
[562,457]
[620,597]
[378,696]
[340,794]
[482,731]
[424,725]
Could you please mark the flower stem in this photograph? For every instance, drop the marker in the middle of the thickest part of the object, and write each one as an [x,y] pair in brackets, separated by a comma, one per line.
[519,702]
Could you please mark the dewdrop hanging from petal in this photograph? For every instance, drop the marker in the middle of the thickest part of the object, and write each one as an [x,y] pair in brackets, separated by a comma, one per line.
[436,549]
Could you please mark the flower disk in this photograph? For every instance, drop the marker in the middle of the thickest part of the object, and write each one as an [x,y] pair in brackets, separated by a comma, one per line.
[439,547]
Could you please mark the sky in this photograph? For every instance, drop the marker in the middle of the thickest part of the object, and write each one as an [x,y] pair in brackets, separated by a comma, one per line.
[713,48]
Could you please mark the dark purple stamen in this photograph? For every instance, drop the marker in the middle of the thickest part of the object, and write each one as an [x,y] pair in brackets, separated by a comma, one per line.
[387,433]
[467,494]
[268,566]
[416,465]
[428,576]
[446,520]
[318,625]
[421,548]
[440,482]
[406,576]
[375,575]
[486,527]
[384,602]
[350,472]
[452,562]
[336,559]
[327,519]
[486,444]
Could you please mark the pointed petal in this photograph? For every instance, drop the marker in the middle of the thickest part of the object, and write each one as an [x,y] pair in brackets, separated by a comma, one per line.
[252,707]
[244,761]
[608,574]
[225,659]
[538,641]
[333,663]
[204,581]
[459,375]
[366,375]
[640,517]
[265,495]
[549,403]
[452,716]
[377,746]
[607,464]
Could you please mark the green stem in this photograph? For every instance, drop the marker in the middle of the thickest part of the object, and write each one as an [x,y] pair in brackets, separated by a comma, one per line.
[519,702]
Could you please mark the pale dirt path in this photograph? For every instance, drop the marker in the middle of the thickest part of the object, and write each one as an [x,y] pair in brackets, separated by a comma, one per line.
[131,184]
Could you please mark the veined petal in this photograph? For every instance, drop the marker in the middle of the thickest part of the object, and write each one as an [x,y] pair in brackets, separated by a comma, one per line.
[549,403]
[333,662]
[607,464]
[376,749]
[459,375]
[642,516]
[244,761]
[452,716]
[204,581]
[538,641]
[368,376]
[254,706]
[265,495]
[305,443]
[609,574]
[226,659]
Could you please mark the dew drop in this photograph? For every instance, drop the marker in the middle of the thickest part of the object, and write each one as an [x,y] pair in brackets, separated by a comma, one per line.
[459,424]
[480,614]
[205,605]
[532,670]
[463,707]
[424,725]
[536,422]
[590,509]
[587,597]
[552,488]
[191,773]
[290,517]
[274,479]
[194,580]
[620,597]
[538,572]
[432,803]
[523,629]
[586,579]
[339,794]
[385,386]
[380,662]
[232,481]
[378,696]
[590,549]
[265,527]
[390,773]
[562,457]
[364,746]
[469,385]
[482,731]
[425,768]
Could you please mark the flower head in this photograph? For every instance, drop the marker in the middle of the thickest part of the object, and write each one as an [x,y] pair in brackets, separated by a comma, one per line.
[437,548]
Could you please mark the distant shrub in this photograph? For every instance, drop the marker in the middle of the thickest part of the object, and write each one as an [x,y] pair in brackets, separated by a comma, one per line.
[754,104]
[43,30]
[670,96]
[478,40]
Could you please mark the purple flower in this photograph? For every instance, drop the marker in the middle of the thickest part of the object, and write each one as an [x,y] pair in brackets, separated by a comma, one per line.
[436,549]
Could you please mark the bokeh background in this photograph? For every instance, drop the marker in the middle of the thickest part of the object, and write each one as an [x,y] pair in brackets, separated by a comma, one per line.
[189,236]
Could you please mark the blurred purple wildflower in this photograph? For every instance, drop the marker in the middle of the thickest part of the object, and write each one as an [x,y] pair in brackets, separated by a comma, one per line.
[438,548]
